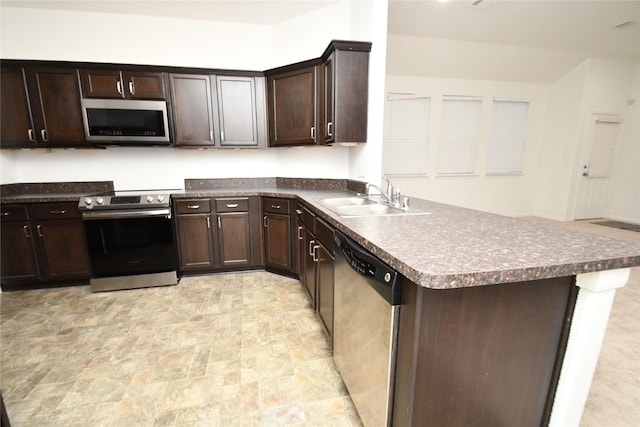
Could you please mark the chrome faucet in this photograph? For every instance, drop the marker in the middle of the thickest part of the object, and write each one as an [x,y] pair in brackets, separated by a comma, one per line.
[392,198]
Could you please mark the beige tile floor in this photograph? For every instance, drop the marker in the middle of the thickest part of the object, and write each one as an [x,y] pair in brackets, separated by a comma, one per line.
[223,350]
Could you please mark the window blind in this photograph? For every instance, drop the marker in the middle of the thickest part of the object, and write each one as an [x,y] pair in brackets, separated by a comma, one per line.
[508,135]
[406,135]
[459,132]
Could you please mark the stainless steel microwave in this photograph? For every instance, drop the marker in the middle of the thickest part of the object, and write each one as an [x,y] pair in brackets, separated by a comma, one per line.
[125,122]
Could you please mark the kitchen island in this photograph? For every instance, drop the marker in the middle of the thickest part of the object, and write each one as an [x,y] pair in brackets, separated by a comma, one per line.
[501,320]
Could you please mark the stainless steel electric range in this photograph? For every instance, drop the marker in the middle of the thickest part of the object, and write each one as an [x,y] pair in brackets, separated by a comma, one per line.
[131,239]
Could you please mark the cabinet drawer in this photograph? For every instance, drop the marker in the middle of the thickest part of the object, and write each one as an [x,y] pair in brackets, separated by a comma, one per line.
[272,204]
[14,213]
[307,218]
[324,233]
[192,206]
[54,211]
[232,205]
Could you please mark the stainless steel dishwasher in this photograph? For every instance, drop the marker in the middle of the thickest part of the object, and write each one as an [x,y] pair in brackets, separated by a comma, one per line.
[366,312]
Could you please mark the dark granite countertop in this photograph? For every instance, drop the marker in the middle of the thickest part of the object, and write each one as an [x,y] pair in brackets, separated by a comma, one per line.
[451,247]
[454,247]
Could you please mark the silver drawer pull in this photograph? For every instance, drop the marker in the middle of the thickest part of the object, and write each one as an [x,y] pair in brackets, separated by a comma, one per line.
[232,205]
[26,231]
[6,213]
[62,212]
[132,88]
[193,206]
[275,206]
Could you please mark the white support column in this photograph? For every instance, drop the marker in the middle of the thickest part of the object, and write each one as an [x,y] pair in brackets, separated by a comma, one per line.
[590,317]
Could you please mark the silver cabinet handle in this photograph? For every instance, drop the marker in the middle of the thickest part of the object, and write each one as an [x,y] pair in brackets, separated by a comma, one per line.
[300,236]
[32,137]
[219,222]
[313,132]
[62,212]
[315,254]
[330,129]
[193,206]
[210,134]
[43,133]
[275,206]
[208,223]
[132,88]
[232,205]
[265,222]
[222,135]
[6,213]
[26,231]
[119,87]
[39,228]
[311,243]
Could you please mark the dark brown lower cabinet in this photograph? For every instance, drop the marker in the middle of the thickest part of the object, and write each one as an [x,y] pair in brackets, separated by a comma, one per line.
[48,248]
[195,241]
[324,283]
[218,234]
[276,220]
[481,356]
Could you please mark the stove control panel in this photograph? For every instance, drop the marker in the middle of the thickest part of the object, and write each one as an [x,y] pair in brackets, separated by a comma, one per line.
[122,201]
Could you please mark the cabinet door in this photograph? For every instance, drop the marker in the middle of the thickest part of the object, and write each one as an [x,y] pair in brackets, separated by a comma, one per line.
[102,84]
[64,249]
[192,110]
[236,112]
[324,283]
[16,125]
[292,108]
[18,254]
[328,116]
[195,241]
[144,85]
[57,93]
[277,236]
[309,265]
[122,84]
[234,239]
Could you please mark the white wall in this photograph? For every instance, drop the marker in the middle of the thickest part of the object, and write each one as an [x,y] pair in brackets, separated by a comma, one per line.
[625,195]
[505,194]
[559,149]
[83,36]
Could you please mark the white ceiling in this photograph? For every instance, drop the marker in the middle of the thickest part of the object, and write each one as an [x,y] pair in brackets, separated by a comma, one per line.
[259,12]
[587,27]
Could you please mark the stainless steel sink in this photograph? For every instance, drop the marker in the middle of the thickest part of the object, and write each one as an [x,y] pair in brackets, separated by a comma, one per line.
[346,201]
[352,207]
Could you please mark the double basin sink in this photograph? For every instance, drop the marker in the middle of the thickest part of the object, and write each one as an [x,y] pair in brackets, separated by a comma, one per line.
[363,206]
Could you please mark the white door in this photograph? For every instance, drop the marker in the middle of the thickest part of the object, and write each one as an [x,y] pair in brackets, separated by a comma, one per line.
[593,186]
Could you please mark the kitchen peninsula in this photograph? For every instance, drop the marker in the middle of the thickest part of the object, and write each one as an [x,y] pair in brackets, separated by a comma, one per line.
[500,319]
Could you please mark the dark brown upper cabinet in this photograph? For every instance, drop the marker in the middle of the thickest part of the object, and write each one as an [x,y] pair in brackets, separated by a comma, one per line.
[192,110]
[239,112]
[99,83]
[345,90]
[292,104]
[320,101]
[218,110]
[16,125]
[41,107]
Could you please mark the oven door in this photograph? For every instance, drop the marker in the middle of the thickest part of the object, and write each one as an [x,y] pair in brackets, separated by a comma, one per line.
[130,245]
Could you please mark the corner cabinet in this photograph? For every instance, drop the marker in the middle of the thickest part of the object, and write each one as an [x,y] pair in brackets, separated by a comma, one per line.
[218,110]
[320,101]
[292,103]
[41,107]
[278,238]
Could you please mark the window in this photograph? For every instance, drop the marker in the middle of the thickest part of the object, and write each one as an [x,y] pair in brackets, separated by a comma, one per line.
[459,130]
[507,140]
[406,135]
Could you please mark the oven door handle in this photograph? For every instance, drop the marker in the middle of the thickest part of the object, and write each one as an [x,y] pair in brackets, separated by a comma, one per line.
[133,213]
